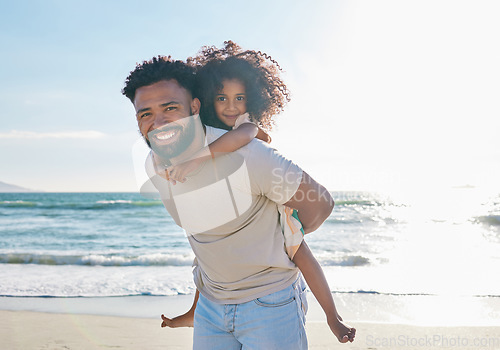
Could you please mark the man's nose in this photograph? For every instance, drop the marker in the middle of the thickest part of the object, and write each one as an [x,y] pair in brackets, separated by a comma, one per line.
[161,120]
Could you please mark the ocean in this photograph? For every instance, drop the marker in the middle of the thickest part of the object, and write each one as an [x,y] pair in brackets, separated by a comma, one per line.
[122,244]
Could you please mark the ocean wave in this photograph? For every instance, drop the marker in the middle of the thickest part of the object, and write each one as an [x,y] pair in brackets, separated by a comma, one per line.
[349,260]
[98,205]
[31,280]
[129,202]
[97,259]
[159,259]
[184,291]
[332,220]
[356,202]
[362,291]
[18,203]
[118,201]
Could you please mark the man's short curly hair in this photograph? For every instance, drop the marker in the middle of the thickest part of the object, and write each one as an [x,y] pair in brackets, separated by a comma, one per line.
[157,69]
[266,93]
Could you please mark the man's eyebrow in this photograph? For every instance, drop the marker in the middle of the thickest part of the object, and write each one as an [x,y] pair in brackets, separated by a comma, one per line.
[169,103]
[142,110]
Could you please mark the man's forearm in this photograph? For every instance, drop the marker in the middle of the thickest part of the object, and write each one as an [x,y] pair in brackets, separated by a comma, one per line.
[313,202]
[312,218]
[311,224]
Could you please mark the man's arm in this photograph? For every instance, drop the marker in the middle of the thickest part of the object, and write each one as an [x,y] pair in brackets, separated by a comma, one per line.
[313,203]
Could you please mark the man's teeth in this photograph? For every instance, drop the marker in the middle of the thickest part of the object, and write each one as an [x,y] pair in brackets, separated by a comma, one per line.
[166,136]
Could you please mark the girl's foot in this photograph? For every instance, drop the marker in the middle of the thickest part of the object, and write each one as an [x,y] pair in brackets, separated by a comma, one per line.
[185,320]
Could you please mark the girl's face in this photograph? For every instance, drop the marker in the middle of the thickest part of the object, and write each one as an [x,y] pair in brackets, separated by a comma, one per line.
[231,102]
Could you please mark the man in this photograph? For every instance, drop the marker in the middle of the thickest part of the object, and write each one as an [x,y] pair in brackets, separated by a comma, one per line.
[251,294]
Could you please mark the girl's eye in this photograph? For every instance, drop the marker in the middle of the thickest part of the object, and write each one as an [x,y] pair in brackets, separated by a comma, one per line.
[240,98]
[220,98]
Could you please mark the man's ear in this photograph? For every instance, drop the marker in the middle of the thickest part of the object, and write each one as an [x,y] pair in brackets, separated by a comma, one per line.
[195,106]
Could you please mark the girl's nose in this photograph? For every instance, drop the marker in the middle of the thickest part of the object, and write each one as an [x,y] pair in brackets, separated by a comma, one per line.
[231,105]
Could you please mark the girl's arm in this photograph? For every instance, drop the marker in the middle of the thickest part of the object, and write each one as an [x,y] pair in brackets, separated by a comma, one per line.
[237,138]
[315,278]
[229,142]
[234,139]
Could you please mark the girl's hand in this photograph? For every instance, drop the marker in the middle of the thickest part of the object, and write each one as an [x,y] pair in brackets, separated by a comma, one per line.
[180,171]
[342,331]
[159,167]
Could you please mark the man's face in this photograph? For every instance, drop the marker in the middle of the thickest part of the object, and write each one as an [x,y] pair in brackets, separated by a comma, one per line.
[160,110]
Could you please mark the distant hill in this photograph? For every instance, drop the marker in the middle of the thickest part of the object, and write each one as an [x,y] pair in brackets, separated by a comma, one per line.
[5,187]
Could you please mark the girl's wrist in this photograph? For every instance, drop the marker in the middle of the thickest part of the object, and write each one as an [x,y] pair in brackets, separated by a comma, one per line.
[332,316]
[203,154]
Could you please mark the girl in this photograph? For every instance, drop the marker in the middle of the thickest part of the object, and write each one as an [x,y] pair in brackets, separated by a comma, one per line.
[233,84]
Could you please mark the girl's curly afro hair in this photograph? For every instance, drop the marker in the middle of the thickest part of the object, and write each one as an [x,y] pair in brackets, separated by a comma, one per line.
[266,92]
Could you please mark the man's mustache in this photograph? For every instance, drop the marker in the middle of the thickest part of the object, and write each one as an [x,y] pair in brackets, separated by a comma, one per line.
[176,141]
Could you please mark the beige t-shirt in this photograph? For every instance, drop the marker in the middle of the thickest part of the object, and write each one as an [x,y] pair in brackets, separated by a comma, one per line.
[228,209]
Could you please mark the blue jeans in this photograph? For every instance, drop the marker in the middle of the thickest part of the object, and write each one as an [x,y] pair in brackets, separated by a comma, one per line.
[275,321]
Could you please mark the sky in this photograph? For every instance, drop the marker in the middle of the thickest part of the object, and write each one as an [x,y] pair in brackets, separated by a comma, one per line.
[386,95]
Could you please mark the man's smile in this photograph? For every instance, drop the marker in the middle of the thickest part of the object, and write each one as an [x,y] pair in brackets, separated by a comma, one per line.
[167,137]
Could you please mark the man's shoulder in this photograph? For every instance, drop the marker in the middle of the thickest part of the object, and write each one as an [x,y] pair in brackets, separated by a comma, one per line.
[213,133]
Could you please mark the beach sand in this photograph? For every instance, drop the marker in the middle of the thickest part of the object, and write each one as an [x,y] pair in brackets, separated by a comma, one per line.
[39,330]
[382,322]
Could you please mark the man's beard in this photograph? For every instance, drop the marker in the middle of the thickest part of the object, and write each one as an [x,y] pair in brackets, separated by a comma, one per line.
[171,141]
